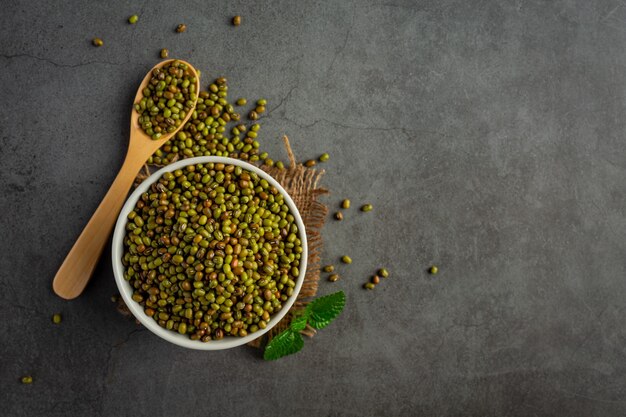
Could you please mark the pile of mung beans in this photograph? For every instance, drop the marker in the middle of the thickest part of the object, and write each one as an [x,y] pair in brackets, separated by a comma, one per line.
[215,128]
[167,99]
[211,250]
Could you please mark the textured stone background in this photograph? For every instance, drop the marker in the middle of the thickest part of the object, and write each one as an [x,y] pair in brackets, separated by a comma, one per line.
[489,135]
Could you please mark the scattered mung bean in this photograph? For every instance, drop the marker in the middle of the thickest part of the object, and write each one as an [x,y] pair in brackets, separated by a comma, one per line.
[164,53]
[366,207]
[346,259]
[324,157]
[181,28]
[345,204]
[329,268]
[57,318]
[433,270]
[333,277]
[133,19]
[383,272]
[236,20]
[27,380]
[339,215]
[97,42]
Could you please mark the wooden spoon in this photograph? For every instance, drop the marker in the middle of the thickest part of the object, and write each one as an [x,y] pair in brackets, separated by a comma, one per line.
[79,264]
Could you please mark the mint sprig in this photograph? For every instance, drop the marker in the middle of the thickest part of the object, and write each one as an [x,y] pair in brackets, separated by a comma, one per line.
[322,311]
[298,323]
[284,344]
[318,314]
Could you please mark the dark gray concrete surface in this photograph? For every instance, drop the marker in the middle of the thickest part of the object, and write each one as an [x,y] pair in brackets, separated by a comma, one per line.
[489,135]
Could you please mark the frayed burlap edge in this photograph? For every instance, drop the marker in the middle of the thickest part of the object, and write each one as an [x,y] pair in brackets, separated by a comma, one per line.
[301,183]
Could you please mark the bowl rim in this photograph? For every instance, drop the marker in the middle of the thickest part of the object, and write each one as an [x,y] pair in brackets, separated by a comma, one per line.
[117,251]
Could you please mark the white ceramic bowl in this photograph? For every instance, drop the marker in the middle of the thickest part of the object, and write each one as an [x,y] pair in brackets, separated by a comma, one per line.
[126,290]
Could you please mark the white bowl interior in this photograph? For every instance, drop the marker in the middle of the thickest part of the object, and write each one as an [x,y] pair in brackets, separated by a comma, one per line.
[126,290]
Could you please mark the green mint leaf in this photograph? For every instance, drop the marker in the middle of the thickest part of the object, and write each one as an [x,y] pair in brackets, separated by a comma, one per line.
[298,323]
[285,343]
[323,310]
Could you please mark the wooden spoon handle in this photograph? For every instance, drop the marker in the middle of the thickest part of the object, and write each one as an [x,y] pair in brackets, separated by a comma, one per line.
[79,264]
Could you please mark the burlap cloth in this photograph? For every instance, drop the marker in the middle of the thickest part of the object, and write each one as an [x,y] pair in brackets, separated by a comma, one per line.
[301,183]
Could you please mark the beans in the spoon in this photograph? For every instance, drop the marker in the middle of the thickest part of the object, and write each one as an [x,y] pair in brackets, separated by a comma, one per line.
[168,97]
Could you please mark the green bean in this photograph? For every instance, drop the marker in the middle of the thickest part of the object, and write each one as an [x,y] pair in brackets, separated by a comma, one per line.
[383,272]
[366,207]
[346,259]
[133,19]
[324,157]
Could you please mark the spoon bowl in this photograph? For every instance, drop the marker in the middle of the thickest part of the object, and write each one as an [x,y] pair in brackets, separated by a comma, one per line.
[76,270]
